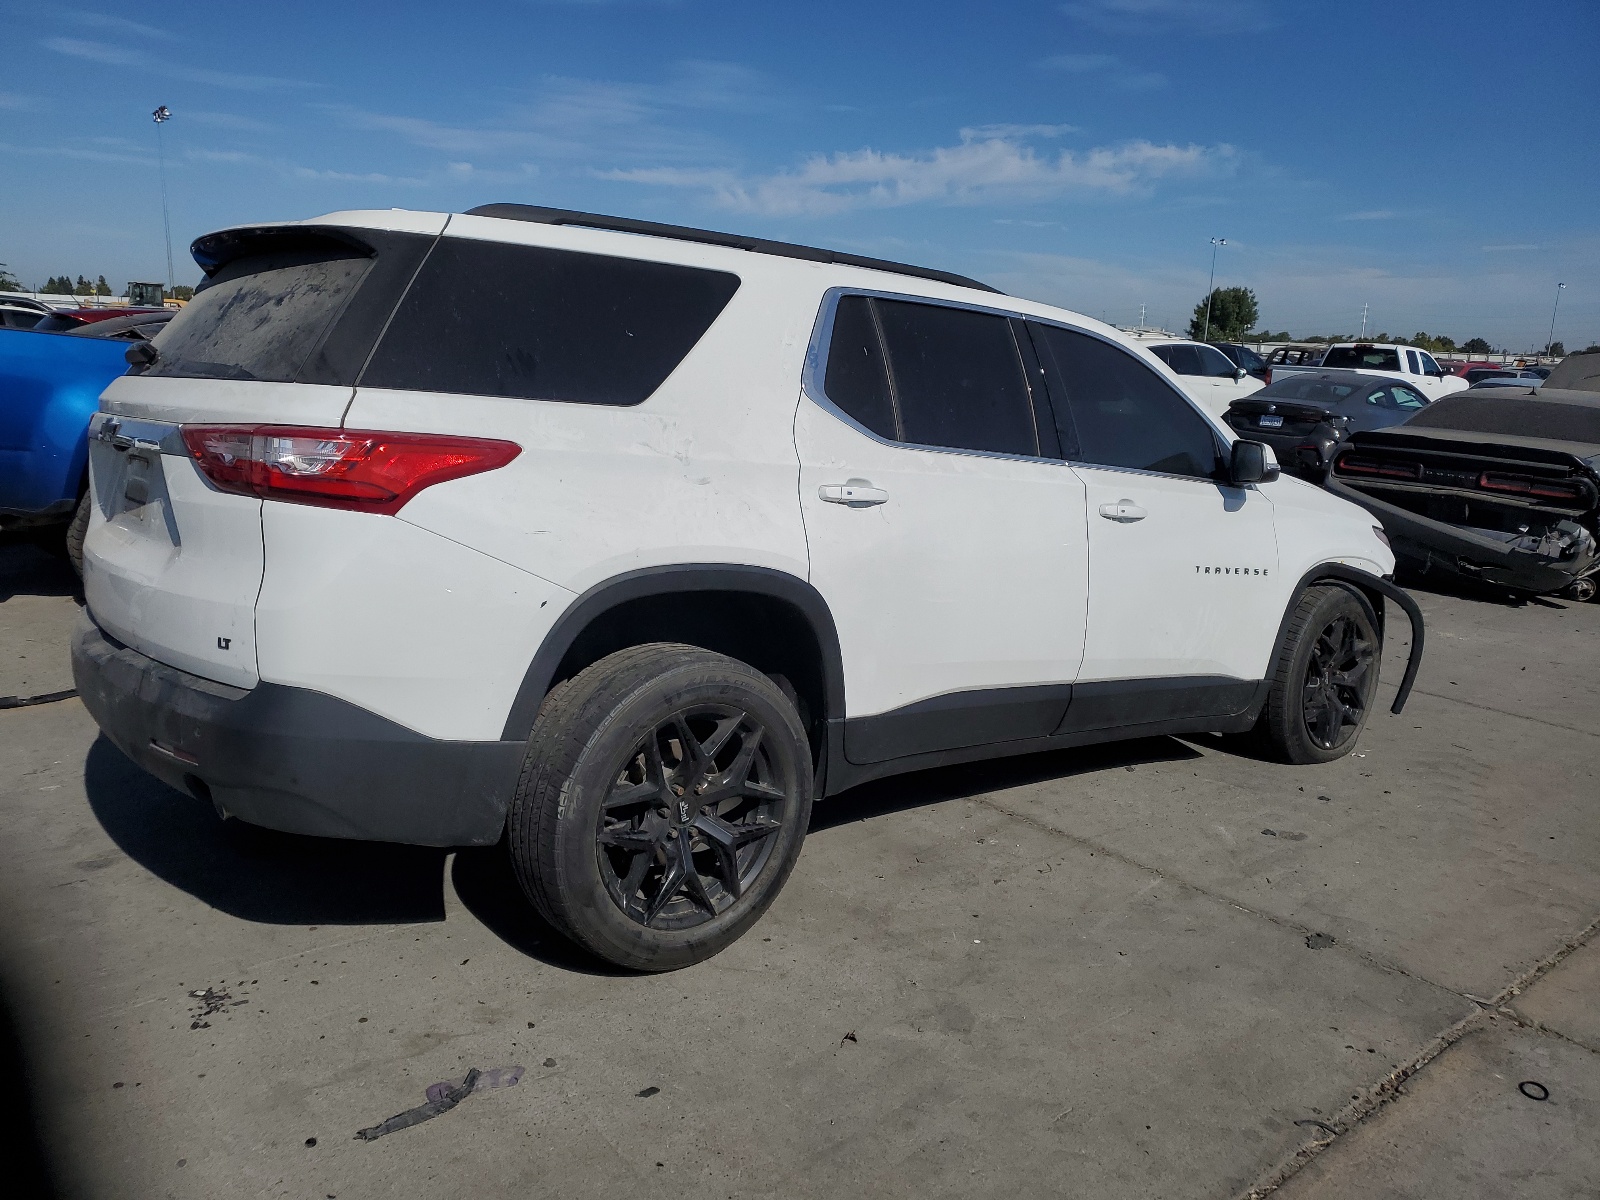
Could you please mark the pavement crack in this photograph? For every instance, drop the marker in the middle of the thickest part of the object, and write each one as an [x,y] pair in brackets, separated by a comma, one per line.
[1502,712]
[1390,1087]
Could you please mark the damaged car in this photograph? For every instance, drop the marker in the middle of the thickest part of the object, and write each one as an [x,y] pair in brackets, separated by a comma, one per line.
[1497,484]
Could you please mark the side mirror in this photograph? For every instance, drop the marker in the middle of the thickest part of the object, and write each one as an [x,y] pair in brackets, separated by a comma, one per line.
[1238,374]
[1252,462]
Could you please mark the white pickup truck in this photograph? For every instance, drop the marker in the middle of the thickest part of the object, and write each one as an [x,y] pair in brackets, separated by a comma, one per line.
[1416,367]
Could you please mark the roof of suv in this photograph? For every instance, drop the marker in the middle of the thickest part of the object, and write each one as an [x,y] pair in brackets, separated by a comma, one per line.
[686,233]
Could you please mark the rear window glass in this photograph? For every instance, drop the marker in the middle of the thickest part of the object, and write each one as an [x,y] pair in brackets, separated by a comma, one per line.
[1524,416]
[1365,358]
[261,316]
[489,319]
[1316,391]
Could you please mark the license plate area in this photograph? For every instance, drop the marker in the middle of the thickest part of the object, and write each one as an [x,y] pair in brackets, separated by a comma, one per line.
[1270,422]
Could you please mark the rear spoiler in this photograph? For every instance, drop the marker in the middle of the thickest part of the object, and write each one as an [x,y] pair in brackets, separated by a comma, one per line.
[213,251]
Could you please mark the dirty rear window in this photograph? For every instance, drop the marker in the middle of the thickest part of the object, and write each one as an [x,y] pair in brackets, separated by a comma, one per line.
[1315,391]
[261,315]
[1363,358]
[1518,416]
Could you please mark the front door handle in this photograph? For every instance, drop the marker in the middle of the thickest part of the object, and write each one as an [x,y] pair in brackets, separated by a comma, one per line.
[1125,511]
[854,494]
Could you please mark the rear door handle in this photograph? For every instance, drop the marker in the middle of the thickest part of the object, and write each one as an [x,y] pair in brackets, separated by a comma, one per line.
[853,494]
[1125,511]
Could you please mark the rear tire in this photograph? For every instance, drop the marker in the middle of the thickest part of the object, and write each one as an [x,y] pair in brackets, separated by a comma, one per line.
[75,532]
[662,804]
[1326,678]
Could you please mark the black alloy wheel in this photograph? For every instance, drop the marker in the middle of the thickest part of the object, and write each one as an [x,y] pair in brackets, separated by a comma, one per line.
[664,798]
[689,822]
[1337,683]
[1325,679]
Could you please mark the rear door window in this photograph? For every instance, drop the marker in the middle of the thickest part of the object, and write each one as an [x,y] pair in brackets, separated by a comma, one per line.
[1183,360]
[1113,410]
[1363,358]
[856,380]
[957,378]
[490,319]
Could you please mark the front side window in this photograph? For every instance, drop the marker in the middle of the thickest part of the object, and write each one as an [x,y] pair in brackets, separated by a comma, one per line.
[1215,363]
[1429,365]
[1117,412]
[490,319]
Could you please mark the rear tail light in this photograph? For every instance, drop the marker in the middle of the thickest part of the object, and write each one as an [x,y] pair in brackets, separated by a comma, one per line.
[1350,464]
[337,468]
[1268,381]
[1521,485]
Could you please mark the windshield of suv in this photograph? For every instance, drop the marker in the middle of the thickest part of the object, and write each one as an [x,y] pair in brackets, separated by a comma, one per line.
[260,315]
[1365,358]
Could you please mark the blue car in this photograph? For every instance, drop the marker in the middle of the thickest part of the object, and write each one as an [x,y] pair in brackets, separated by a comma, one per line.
[50,385]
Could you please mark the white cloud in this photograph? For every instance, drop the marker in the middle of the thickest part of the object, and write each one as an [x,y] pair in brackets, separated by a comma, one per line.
[117,24]
[994,170]
[222,120]
[122,56]
[1105,68]
[1517,246]
[12,102]
[1149,16]
[1374,214]
[981,132]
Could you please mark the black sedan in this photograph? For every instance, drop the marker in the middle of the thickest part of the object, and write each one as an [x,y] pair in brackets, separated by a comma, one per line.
[1304,416]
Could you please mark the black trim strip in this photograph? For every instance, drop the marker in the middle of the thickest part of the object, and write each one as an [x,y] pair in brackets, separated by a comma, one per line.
[684,233]
[957,720]
[669,580]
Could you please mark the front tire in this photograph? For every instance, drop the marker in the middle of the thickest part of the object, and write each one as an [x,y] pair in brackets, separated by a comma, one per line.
[1326,678]
[662,804]
[75,532]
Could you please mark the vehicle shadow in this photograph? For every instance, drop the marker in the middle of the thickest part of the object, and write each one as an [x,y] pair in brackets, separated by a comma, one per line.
[258,874]
[1460,587]
[27,569]
[899,793]
[487,884]
[22,1147]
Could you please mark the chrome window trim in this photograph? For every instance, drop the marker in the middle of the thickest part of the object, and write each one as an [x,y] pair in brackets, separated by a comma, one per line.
[815,370]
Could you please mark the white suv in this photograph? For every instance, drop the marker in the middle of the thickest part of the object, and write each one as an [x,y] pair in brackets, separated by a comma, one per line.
[1206,373]
[625,542]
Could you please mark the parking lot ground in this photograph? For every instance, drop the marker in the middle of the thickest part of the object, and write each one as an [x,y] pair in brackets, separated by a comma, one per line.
[1154,969]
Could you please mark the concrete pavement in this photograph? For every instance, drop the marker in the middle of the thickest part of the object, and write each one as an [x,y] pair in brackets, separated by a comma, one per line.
[1153,969]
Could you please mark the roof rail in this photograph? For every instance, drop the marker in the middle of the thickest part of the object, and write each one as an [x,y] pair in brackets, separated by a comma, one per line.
[684,233]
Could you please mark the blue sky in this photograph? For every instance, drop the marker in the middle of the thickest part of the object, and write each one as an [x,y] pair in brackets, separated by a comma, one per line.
[1434,160]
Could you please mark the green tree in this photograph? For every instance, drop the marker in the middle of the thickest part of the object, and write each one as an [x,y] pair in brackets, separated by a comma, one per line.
[1556,350]
[1233,313]
[83,287]
[1476,346]
[58,285]
[8,281]
[101,287]
[182,292]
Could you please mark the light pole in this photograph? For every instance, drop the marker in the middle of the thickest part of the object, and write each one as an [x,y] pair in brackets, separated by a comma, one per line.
[1211,287]
[161,116]
[1551,340]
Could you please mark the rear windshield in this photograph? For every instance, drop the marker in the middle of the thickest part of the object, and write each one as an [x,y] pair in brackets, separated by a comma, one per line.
[1314,391]
[261,315]
[489,319]
[1366,358]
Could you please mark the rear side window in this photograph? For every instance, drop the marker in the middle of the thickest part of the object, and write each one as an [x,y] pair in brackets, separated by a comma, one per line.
[957,378]
[1182,359]
[489,319]
[1317,391]
[856,380]
[262,315]
[1117,411]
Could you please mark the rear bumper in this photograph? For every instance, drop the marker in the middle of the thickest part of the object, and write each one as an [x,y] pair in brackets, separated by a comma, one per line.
[291,759]
[1434,545]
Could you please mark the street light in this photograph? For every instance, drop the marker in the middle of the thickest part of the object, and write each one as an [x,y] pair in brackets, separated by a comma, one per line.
[1551,340]
[161,116]
[1211,287]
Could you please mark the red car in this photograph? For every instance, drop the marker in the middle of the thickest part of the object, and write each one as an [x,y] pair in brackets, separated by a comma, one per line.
[1460,369]
[63,320]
